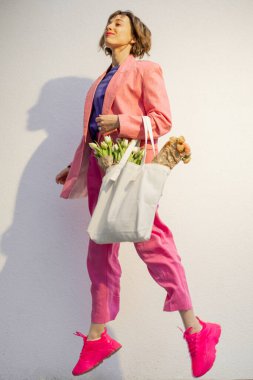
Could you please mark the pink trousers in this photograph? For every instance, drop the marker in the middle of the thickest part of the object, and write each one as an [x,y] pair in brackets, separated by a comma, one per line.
[159,254]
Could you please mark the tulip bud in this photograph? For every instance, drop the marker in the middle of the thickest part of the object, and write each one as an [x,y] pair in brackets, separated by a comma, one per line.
[93,146]
[108,140]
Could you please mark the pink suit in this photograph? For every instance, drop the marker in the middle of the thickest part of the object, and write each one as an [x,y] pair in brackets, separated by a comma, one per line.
[137,88]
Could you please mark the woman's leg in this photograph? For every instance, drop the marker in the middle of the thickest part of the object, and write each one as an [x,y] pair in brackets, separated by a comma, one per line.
[104,272]
[164,264]
[189,319]
[95,330]
[102,264]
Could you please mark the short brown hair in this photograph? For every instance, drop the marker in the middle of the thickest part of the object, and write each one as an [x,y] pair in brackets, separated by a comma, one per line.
[140,32]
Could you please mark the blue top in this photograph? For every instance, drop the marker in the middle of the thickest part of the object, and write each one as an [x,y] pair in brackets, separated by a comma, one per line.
[98,101]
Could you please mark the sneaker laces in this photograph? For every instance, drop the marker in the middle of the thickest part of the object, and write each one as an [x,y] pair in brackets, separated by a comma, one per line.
[78,333]
[193,344]
[192,341]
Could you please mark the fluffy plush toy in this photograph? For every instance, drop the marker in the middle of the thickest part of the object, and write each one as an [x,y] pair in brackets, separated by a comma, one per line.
[175,150]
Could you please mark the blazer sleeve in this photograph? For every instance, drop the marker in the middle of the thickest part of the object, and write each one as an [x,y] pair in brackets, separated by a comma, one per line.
[156,105]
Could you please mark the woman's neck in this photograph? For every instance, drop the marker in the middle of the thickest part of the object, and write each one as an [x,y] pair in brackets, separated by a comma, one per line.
[118,57]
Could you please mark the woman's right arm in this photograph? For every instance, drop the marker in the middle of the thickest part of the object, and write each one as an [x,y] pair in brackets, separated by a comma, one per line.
[157,107]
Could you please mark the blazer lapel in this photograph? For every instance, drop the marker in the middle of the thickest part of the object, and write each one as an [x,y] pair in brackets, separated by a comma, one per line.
[118,78]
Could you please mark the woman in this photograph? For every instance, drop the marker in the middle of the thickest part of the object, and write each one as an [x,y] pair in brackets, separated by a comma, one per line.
[114,104]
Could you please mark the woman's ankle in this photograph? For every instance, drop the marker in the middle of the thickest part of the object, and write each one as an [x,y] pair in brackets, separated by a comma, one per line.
[196,328]
[95,333]
[93,338]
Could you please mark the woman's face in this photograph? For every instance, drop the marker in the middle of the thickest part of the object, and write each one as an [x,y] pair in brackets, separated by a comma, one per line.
[119,29]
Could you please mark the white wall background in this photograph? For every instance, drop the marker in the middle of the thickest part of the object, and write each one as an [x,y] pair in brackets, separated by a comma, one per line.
[49,58]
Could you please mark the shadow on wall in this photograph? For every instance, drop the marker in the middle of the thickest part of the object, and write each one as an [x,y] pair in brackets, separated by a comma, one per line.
[45,288]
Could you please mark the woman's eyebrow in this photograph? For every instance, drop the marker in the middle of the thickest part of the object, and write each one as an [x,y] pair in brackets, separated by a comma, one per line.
[117,19]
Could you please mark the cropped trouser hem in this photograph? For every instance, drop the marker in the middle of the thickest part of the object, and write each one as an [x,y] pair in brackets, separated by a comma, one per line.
[177,307]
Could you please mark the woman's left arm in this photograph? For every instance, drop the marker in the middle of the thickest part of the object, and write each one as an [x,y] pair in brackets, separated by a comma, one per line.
[157,107]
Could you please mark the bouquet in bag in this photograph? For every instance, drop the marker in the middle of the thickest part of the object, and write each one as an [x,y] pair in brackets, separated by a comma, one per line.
[110,153]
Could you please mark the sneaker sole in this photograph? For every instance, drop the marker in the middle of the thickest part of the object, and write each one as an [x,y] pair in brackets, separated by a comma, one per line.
[95,366]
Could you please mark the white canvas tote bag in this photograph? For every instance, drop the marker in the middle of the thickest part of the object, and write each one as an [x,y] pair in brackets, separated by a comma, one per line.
[128,198]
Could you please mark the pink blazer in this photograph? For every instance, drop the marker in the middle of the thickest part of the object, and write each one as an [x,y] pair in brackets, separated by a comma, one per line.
[137,88]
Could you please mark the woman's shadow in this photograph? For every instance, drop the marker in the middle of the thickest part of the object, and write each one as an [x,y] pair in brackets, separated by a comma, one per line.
[45,288]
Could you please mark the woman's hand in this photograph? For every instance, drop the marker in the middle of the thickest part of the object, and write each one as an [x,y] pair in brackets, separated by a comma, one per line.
[107,123]
[61,177]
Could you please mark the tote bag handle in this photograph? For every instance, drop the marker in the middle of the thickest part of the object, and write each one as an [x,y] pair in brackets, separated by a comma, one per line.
[133,143]
[148,129]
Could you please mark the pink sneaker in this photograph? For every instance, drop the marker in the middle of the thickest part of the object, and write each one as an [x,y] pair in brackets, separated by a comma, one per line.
[94,352]
[201,346]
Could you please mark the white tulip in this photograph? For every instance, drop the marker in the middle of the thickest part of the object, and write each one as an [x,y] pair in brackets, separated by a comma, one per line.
[93,145]
[125,142]
[108,139]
